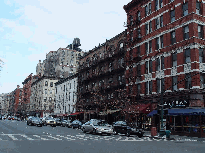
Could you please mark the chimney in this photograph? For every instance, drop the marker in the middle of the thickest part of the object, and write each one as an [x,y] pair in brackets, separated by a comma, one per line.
[18,86]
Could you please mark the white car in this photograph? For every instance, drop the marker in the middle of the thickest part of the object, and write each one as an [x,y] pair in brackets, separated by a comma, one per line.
[97,127]
[49,121]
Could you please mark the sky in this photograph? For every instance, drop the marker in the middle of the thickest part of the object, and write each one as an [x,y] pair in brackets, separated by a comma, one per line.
[31,28]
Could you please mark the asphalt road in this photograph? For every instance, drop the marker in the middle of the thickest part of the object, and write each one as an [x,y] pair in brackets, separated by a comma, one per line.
[17,137]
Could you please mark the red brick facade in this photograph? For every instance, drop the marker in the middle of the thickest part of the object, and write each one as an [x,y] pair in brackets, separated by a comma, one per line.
[162,24]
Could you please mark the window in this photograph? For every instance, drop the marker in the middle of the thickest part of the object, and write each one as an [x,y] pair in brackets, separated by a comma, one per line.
[158,64]
[51,84]
[138,70]
[157,25]
[187,56]
[64,88]
[158,85]
[161,42]
[150,8]
[161,3]
[146,67]
[150,46]
[146,88]
[138,16]
[174,83]
[156,4]
[150,66]
[146,48]
[146,10]
[174,59]
[150,87]
[200,31]
[173,38]
[69,96]
[138,33]
[162,62]
[147,28]
[46,83]
[201,55]
[138,51]
[161,21]
[157,43]
[186,32]
[185,9]
[172,14]
[46,91]
[150,26]
[202,80]
[70,85]
[131,36]
[198,8]
[138,88]
[131,20]
[187,81]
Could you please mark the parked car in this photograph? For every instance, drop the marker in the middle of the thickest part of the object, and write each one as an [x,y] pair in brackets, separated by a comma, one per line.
[50,121]
[76,124]
[30,121]
[58,121]
[37,121]
[63,123]
[97,127]
[123,128]
[4,117]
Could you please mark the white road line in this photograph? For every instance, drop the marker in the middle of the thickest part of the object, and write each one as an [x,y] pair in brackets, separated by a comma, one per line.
[25,136]
[12,137]
[66,138]
[54,137]
[118,139]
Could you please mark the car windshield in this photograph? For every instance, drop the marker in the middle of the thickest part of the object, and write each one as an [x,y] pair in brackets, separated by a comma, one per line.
[102,124]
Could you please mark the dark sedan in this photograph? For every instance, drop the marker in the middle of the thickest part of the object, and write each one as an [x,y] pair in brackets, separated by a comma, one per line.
[37,121]
[30,121]
[123,128]
[76,124]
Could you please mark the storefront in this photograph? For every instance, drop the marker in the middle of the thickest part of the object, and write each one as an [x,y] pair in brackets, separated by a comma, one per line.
[186,121]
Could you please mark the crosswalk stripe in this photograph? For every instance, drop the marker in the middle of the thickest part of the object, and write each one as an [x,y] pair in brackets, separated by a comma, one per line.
[12,137]
[53,137]
[25,136]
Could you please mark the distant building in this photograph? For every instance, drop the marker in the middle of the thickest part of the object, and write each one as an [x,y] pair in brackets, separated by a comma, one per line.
[66,95]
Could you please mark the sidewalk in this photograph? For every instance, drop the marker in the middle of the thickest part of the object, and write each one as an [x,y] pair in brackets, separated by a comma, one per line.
[173,137]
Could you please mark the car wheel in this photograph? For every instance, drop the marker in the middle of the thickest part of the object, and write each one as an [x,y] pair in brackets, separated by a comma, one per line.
[128,133]
[94,131]
[115,132]
[83,130]
[140,135]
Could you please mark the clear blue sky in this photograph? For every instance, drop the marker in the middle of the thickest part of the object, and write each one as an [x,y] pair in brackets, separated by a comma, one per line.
[31,28]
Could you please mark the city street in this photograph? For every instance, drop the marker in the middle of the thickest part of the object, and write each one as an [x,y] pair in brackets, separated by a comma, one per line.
[17,137]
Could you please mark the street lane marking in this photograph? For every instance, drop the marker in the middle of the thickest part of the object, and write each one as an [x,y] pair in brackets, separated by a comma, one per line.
[54,137]
[12,137]
[25,136]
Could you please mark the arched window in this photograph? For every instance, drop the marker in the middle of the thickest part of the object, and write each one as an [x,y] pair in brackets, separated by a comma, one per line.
[46,83]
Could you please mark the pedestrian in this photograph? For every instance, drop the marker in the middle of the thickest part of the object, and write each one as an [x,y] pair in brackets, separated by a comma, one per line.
[167,126]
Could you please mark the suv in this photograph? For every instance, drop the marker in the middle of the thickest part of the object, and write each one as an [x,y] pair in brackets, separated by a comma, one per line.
[123,128]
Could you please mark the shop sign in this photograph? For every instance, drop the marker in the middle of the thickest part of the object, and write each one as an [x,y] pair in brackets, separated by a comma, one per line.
[176,104]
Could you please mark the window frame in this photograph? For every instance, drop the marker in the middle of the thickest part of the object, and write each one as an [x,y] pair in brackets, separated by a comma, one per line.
[201,33]
[185,9]
[172,15]
[186,34]
[173,39]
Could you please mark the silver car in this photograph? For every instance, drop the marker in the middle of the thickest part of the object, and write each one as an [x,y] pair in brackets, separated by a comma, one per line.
[97,127]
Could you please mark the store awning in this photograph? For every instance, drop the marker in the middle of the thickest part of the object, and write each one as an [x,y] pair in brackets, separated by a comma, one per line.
[183,111]
[76,113]
[152,113]
[109,111]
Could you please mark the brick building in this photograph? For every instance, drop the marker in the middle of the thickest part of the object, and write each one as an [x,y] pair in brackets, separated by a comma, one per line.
[101,80]
[165,52]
